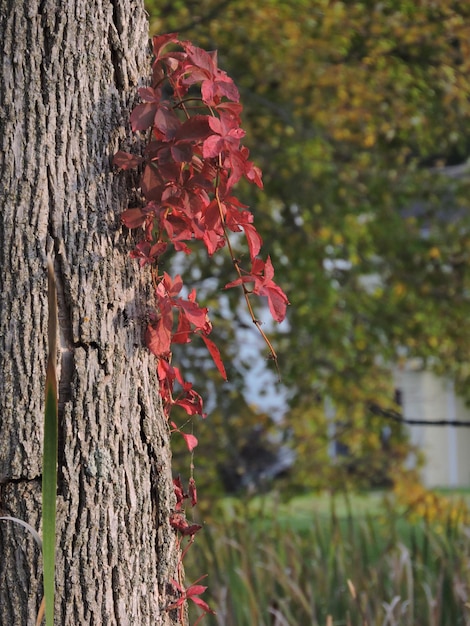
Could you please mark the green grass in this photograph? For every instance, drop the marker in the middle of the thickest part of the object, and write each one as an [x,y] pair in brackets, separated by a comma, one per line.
[290,564]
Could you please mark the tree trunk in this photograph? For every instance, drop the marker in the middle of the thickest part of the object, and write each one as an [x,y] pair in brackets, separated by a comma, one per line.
[69,70]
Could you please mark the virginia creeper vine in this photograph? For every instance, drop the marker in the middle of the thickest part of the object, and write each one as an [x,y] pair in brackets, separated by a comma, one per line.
[192,160]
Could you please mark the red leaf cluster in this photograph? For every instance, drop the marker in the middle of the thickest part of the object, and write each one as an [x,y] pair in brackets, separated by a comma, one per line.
[181,495]
[179,522]
[261,276]
[191,162]
[191,593]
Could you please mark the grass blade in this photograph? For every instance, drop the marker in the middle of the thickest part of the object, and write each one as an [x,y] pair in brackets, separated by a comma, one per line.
[49,467]
[28,527]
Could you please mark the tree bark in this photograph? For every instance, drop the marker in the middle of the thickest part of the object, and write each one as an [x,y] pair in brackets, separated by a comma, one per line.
[68,72]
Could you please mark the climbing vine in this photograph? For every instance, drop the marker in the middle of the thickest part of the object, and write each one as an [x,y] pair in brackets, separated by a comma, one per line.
[193,158]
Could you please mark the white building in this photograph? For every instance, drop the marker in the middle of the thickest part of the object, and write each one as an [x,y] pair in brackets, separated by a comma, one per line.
[425,396]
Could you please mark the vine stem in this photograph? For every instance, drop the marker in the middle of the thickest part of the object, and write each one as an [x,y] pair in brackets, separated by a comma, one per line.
[246,293]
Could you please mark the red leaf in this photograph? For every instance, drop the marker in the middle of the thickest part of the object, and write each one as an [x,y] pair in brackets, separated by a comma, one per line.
[268,269]
[239,281]
[178,229]
[176,584]
[213,241]
[202,59]
[167,122]
[203,605]
[213,146]
[143,115]
[191,440]
[125,160]
[148,253]
[227,136]
[254,240]
[191,403]
[195,590]
[148,94]
[177,603]
[277,301]
[215,354]
[213,91]
[183,332]
[226,125]
[253,174]
[192,491]
[232,108]
[170,287]
[160,41]
[179,491]
[211,215]
[158,333]
[192,593]
[133,218]
[258,265]
[265,286]
[195,129]
[178,520]
[195,314]
[181,524]
[182,152]
[151,182]
[158,339]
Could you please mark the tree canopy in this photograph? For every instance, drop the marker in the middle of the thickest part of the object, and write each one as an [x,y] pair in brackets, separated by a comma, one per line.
[357,113]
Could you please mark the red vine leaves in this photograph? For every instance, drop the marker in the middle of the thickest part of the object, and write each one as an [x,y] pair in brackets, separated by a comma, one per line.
[190,164]
[192,159]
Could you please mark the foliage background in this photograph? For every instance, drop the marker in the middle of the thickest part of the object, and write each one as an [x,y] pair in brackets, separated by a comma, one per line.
[357,114]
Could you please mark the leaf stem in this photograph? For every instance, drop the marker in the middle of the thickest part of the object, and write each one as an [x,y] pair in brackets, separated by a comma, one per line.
[246,293]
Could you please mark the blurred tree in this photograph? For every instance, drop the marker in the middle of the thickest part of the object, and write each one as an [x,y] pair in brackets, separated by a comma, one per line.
[357,113]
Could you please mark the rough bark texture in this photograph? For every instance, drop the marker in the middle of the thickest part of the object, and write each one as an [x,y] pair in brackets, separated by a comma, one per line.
[68,70]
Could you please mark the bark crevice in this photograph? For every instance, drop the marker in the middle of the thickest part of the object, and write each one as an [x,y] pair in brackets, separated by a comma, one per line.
[116,29]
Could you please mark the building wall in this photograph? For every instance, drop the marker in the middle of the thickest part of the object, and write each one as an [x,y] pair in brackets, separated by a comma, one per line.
[446,448]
